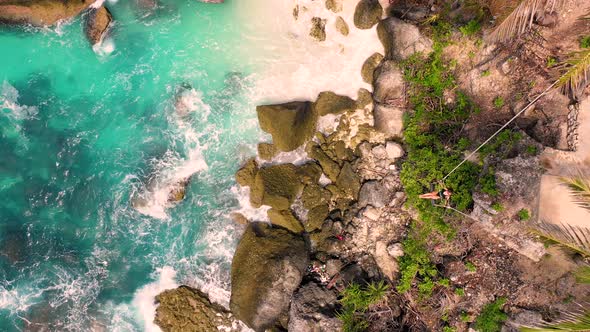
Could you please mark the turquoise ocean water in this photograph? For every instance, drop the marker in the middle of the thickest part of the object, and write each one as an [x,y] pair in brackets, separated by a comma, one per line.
[83,132]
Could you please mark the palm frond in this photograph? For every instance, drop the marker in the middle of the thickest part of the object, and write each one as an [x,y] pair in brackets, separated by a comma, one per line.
[571,322]
[570,237]
[582,274]
[521,18]
[577,72]
[579,188]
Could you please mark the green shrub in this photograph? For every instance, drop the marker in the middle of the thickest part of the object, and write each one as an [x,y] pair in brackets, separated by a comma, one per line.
[460,291]
[471,28]
[491,317]
[355,301]
[532,150]
[470,267]
[486,73]
[501,145]
[585,42]
[523,215]
[449,329]
[498,102]
[497,206]
[551,62]
[487,183]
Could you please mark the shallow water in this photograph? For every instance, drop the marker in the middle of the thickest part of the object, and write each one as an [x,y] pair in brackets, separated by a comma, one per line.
[85,133]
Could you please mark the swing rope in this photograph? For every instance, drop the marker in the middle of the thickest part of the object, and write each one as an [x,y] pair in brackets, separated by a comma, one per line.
[500,130]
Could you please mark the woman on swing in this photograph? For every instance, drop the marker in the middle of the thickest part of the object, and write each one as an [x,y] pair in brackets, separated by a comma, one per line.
[438,195]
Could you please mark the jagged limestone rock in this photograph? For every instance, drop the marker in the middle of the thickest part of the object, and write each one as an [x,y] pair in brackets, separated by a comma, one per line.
[266,151]
[334,5]
[316,217]
[318,29]
[369,67]
[348,181]
[290,124]
[40,12]
[276,186]
[342,26]
[367,14]
[401,39]
[285,219]
[329,166]
[314,309]
[330,103]
[364,98]
[188,309]
[268,266]
[97,23]
[245,176]
[309,172]
[314,195]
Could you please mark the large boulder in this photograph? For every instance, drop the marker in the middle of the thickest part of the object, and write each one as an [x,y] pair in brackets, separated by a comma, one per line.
[367,14]
[389,119]
[329,166]
[334,5]
[348,181]
[401,39]
[41,12]
[290,124]
[369,67]
[374,193]
[388,83]
[267,268]
[285,219]
[330,103]
[247,173]
[313,309]
[188,309]
[276,186]
[318,29]
[97,23]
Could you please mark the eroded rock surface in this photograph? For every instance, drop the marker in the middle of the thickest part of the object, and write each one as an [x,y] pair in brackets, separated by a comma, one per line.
[40,13]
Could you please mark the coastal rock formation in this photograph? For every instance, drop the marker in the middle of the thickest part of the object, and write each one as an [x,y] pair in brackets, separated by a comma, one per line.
[369,67]
[313,309]
[97,23]
[334,5]
[401,39]
[188,309]
[330,103]
[388,83]
[276,186]
[40,13]
[342,26]
[318,29]
[267,268]
[367,14]
[290,124]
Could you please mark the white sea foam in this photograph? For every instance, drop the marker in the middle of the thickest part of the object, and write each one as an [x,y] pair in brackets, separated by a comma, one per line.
[295,66]
[105,47]
[172,171]
[97,4]
[9,104]
[144,299]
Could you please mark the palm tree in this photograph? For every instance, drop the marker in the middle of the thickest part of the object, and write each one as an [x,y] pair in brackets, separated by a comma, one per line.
[576,72]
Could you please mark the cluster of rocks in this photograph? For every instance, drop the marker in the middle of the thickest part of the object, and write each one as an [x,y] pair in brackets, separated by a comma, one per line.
[50,12]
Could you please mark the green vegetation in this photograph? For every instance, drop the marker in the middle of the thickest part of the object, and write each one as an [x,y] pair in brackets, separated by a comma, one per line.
[497,206]
[486,73]
[465,317]
[460,291]
[551,62]
[583,274]
[487,183]
[415,263]
[491,317]
[355,301]
[575,322]
[471,28]
[532,150]
[470,267]
[523,215]
[498,102]
[501,144]
[449,329]
[585,42]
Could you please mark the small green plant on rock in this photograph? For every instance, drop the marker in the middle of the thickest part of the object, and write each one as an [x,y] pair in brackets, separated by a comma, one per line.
[491,317]
[497,206]
[355,302]
[585,42]
[471,28]
[523,215]
[498,102]
[470,267]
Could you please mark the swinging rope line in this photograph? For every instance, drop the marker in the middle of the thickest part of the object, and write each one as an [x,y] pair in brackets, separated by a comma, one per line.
[499,130]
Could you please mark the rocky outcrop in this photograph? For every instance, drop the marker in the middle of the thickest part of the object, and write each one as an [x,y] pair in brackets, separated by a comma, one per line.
[367,14]
[276,186]
[97,23]
[401,39]
[290,124]
[40,13]
[330,103]
[334,5]
[188,309]
[267,268]
[389,94]
[342,26]
[313,309]
[318,29]
[369,67]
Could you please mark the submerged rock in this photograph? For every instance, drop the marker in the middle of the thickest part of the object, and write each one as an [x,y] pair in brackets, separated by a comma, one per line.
[401,39]
[334,5]
[267,268]
[342,26]
[318,29]
[188,309]
[40,13]
[245,176]
[330,103]
[313,309]
[367,14]
[178,191]
[276,186]
[290,124]
[369,67]
[97,23]
[266,151]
